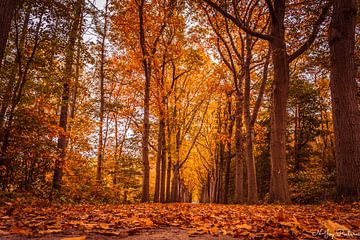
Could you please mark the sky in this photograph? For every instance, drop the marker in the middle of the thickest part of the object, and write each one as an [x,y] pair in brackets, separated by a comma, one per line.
[100,3]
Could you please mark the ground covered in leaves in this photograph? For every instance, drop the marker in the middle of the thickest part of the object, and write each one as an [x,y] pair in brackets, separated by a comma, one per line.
[180,221]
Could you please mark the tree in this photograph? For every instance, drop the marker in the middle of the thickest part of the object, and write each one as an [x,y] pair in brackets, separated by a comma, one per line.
[279,183]
[64,109]
[100,154]
[346,112]
[15,86]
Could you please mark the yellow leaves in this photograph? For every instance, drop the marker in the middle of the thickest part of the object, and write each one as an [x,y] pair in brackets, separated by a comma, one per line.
[50,231]
[75,238]
[21,231]
[214,231]
[332,227]
[149,223]
[104,226]
[244,226]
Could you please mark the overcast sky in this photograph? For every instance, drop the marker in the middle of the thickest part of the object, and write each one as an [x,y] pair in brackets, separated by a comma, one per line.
[100,3]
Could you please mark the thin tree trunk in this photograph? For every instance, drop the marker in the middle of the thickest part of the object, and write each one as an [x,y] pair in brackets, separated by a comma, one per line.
[77,72]
[296,138]
[69,59]
[146,130]
[100,152]
[346,113]
[228,156]
[175,184]
[116,148]
[250,161]
[163,162]
[159,159]
[168,148]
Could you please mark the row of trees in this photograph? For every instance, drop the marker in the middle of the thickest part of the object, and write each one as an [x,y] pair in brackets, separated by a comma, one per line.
[343,72]
[206,96]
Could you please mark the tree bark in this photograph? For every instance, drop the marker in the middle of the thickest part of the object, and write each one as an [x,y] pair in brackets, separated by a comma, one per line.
[279,177]
[346,113]
[250,161]
[228,155]
[69,60]
[146,123]
[297,139]
[159,159]
[163,161]
[100,152]
[169,165]
[239,164]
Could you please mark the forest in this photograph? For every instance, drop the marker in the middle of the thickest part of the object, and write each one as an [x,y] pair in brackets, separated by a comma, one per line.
[180,114]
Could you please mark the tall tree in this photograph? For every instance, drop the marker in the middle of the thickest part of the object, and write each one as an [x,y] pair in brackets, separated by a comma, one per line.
[346,113]
[64,109]
[146,128]
[100,153]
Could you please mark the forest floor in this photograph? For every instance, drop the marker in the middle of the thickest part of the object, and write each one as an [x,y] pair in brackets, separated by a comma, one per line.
[179,221]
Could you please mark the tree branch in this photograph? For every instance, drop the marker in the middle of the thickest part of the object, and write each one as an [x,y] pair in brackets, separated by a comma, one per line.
[236,21]
[313,34]
[271,10]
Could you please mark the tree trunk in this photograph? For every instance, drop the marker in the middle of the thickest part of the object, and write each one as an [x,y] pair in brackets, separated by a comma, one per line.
[239,164]
[228,156]
[163,162]
[175,184]
[297,139]
[346,113]
[116,155]
[168,180]
[251,170]
[279,177]
[250,161]
[100,153]
[168,148]
[69,59]
[158,175]
[7,10]
[146,130]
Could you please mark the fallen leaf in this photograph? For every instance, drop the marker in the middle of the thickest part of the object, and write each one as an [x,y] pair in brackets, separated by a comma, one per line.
[149,223]
[49,231]
[332,227]
[244,226]
[75,238]
[104,226]
[21,231]
[4,232]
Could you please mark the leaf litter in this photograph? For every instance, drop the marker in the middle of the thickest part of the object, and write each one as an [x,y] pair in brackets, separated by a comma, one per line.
[180,221]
